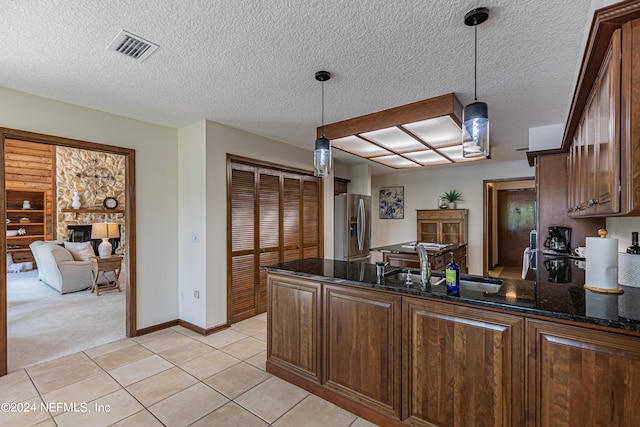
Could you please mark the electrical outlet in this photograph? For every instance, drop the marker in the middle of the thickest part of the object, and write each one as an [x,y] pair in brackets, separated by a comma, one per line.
[196,294]
[195,237]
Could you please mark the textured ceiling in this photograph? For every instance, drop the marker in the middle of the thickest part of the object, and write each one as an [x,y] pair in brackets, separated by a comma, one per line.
[250,64]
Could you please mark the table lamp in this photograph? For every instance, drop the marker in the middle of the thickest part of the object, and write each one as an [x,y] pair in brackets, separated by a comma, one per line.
[105,231]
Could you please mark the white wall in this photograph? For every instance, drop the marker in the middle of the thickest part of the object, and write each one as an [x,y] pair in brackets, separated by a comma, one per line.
[156,186]
[360,176]
[421,191]
[170,205]
[191,214]
[621,229]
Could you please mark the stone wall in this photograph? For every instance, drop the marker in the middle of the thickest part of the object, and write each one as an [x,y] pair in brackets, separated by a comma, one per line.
[95,176]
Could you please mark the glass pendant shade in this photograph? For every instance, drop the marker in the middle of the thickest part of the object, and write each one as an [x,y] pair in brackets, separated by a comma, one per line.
[322,157]
[475,130]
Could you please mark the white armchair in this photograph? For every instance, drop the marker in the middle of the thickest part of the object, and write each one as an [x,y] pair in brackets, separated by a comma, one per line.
[36,255]
[57,268]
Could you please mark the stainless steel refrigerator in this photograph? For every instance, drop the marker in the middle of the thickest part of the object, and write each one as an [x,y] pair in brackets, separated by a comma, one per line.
[352,227]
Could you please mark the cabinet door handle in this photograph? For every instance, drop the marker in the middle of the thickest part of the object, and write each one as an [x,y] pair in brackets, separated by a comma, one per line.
[593,202]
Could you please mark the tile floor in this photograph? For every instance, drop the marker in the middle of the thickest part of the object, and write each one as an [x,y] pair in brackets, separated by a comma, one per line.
[172,377]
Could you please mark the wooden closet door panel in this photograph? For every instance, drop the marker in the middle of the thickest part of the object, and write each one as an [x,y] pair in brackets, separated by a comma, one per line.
[269,236]
[243,294]
[269,210]
[242,282]
[242,210]
[310,212]
[266,258]
[291,217]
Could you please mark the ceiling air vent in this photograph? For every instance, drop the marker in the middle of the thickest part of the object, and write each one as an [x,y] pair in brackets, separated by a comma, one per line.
[133,46]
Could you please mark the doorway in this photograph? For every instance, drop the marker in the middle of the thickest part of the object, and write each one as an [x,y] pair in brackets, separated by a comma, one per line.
[129,269]
[509,217]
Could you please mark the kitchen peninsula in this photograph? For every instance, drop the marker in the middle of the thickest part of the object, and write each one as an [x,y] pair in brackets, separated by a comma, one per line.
[405,255]
[540,353]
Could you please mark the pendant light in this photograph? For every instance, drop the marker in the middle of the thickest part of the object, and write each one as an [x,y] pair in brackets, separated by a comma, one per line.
[322,152]
[475,116]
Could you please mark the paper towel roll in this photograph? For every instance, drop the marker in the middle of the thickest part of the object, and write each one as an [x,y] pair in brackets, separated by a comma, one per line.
[629,269]
[602,263]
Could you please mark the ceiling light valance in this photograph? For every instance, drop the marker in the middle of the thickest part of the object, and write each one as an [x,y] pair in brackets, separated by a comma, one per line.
[422,133]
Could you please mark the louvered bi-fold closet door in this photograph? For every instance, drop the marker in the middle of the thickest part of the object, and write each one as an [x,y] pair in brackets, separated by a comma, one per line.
[275,217]
[292,236]
[269,235]
[311,219]
[241,295]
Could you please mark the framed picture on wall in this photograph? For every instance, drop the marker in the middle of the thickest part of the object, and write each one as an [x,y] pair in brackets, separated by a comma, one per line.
[391,202]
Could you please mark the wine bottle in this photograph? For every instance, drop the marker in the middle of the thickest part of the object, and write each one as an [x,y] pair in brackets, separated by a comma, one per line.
[634,248]
[452,277]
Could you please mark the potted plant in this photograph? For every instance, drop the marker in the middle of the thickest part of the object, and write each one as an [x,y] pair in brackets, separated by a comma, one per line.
[451,197]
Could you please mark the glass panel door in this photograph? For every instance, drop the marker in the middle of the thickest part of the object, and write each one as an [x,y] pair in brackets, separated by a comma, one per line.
[451,232]
[428,232]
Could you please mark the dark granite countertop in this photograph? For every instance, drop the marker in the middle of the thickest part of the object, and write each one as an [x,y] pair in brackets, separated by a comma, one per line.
[547,296]
[410,249]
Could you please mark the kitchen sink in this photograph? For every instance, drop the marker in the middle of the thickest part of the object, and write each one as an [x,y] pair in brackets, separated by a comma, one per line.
[467,282]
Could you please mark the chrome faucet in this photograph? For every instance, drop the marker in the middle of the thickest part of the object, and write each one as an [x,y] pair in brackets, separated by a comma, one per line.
[380,271]
[425,267]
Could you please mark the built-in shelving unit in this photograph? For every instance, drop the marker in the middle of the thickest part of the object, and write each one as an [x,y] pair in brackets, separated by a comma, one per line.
[31,220]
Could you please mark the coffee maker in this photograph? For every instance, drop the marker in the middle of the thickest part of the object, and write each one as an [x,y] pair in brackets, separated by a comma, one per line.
[559,239]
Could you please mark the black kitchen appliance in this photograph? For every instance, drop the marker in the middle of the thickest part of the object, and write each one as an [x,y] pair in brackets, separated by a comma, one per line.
[559,239]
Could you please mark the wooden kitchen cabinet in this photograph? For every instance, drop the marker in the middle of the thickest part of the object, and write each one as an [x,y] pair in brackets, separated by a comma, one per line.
[580,377]
[602,134]
[461,366]
[293,325]
[398,360]
[340,185]
[442,225]
[362,346]
[594,158]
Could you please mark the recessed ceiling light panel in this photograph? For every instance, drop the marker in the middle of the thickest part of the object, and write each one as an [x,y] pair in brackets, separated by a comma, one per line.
[396,162]
[455,154]
[419,134]
[437,132]
[358,146]
[427,158]
[394,139]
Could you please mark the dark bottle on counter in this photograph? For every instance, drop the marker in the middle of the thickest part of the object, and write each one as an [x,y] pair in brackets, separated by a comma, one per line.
[452,277]
[634,248]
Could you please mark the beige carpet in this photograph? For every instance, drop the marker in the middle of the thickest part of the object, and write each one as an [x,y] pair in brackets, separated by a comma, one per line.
[44,325]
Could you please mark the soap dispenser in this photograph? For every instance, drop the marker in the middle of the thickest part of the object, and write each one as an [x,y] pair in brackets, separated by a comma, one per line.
[452,277]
